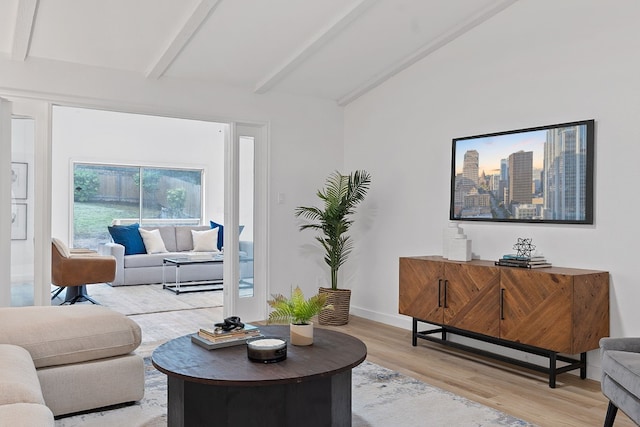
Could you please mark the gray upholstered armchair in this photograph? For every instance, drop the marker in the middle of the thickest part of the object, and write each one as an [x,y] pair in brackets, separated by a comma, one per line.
[621,377]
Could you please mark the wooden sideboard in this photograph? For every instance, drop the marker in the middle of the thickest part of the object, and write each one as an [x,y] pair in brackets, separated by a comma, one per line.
[552,312]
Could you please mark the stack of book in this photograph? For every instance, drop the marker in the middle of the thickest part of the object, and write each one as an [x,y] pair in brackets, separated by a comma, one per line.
[536,261]
[215,338]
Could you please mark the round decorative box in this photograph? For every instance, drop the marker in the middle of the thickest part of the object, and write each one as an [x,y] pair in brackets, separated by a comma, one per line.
[266,349]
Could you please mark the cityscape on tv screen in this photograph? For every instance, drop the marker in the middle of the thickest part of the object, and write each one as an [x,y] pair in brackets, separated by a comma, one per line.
[534,175]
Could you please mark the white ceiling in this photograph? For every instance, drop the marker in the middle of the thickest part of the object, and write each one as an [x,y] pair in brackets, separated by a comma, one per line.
[334,49]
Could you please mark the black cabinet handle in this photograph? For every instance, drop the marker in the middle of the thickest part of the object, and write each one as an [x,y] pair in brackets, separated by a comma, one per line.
[502,303]
[439,292]
[446,283]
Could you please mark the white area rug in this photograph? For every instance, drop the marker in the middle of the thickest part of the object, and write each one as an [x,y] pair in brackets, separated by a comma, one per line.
[147,299]
[381,398]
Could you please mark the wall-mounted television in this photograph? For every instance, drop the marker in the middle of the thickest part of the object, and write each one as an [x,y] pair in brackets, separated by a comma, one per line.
[536,175]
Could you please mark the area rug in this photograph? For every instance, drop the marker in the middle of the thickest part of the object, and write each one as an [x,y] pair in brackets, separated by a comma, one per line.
[147,299]
[381,398]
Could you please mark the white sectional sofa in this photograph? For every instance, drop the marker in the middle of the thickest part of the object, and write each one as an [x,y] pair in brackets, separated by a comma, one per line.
[146,268]
[21,400]
[58,360]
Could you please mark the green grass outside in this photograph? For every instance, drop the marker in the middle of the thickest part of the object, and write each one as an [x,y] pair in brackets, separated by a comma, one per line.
[90,218]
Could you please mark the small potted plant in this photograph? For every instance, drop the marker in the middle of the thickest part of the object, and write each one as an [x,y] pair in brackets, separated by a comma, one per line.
[298,311]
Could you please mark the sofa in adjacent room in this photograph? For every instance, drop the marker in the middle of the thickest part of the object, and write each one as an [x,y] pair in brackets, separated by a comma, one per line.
[140,251]
[57,360]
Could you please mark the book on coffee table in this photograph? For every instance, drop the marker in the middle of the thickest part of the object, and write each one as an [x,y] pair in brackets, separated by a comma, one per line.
[209,345]
[217,335]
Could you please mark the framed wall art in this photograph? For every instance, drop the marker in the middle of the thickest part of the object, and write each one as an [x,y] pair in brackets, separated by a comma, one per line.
[534,175]
[18,221]
[19,180]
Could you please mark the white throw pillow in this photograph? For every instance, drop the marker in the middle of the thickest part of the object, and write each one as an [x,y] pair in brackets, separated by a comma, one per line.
[153,242]
[205,240]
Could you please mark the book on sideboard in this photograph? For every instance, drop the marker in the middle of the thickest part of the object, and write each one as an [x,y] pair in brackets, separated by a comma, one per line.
[513,257]
[522,261]
[543,265]
[522,264]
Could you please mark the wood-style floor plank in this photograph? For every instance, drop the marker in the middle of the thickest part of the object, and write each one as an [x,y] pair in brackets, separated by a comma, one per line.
[514,390]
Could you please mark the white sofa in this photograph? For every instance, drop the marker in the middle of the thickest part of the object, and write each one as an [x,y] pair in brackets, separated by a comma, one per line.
[142,269]
[57,360]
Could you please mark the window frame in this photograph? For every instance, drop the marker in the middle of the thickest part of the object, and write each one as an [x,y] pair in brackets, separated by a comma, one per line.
[143,221]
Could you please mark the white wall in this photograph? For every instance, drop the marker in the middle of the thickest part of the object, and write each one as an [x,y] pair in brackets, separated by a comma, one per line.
[537,63]
[305,137]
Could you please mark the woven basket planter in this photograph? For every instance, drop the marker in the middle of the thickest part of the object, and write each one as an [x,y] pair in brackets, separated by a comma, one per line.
[341,300]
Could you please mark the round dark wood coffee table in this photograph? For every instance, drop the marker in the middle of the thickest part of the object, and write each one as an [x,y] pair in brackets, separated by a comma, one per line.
[222,387]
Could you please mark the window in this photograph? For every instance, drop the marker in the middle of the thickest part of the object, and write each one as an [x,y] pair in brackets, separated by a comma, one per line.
[151,196]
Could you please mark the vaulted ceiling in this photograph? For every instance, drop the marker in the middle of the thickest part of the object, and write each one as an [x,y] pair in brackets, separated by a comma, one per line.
[333,49]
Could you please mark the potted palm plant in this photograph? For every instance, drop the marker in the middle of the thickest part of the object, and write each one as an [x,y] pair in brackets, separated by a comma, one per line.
[298,311]
[341,195]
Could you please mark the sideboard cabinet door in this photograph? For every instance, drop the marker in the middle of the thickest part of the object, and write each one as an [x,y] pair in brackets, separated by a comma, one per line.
[472,293]
[458,294]
[536,308]
[420,296]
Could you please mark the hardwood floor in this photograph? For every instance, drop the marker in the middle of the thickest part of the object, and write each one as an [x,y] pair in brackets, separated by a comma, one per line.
[514,390]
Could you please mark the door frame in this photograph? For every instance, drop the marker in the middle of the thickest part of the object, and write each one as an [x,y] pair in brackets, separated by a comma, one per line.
[5,203]
[39,110]
[41,107]
[252,308]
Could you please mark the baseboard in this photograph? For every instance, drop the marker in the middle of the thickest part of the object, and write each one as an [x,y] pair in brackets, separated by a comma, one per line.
[396,320]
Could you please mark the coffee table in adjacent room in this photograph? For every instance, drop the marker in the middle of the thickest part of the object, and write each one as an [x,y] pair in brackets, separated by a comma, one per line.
[198,286]
[222,387]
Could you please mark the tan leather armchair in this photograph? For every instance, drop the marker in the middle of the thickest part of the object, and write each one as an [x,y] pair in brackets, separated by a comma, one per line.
[76,268]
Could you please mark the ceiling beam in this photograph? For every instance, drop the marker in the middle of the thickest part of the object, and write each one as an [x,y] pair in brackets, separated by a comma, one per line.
[177,44]
[427,49]
[313,45]
[25,18]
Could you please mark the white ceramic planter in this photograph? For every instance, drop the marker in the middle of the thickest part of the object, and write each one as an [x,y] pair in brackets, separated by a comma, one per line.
[301,334]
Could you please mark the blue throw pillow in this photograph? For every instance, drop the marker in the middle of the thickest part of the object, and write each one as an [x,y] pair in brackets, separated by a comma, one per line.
[129,237]
[221,233]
